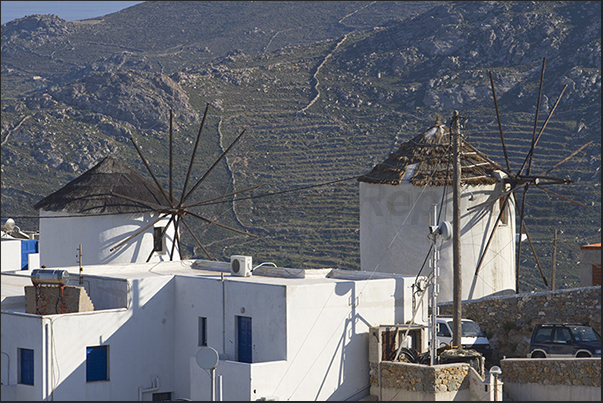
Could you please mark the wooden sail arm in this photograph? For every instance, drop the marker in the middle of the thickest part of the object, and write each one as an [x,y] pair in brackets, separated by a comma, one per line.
[224,195]
[207,220]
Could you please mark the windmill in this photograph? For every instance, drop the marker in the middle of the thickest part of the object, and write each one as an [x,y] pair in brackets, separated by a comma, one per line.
[178,209]
[523,179]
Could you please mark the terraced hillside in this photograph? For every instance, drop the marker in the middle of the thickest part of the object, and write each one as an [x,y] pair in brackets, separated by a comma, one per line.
[308,144]
[325,113]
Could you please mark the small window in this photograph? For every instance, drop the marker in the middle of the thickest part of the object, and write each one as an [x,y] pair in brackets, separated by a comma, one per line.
[160,397]
[26,366]
[562,335]
[443,330]
[504,218]
[543,334]
[202,331]
[97,363]
[158,240]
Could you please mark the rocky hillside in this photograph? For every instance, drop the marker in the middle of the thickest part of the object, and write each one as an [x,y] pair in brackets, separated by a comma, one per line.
[324,93]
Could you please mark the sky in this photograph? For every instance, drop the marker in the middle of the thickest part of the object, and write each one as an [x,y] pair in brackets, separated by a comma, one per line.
[67,10]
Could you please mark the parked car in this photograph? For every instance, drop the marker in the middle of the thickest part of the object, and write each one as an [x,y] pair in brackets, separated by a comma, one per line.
[471,335]
[564,340]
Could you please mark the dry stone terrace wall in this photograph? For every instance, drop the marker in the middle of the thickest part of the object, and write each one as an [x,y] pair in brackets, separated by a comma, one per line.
[508,320]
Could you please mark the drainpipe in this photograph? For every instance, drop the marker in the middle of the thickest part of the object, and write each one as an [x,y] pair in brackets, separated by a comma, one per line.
[48,361]
[223,315]
[154,388]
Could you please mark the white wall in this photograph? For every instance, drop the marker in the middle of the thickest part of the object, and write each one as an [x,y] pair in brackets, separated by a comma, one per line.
[327,340]
[310,338]
[140,340]
[394,229]
[203,297]
[10,256]
[23,331]
[550,393]
[33,261]
[265,304]
[61,236]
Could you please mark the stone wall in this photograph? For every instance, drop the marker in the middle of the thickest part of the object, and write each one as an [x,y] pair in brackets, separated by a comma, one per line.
[50,300]
[405,381]
[549,371]
[509,320]
[549,379]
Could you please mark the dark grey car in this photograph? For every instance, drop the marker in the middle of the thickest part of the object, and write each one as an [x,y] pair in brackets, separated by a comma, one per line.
[564,340]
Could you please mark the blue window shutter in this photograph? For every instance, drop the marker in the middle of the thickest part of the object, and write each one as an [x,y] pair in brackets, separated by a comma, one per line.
[27,366]
[27,246]
[244,339]
[97,364]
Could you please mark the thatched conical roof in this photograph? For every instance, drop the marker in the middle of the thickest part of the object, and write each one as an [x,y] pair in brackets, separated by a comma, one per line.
[428,159]
[91,193]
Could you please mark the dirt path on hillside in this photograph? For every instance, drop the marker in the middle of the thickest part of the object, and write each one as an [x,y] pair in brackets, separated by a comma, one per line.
[315,75]
[14,129]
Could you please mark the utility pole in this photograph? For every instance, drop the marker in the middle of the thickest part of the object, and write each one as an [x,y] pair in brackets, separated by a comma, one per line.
[434,288]
[456,231]
[554,263]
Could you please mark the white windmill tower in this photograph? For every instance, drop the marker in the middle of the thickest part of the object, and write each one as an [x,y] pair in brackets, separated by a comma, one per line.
[395,197]
[395,202]
[118,216]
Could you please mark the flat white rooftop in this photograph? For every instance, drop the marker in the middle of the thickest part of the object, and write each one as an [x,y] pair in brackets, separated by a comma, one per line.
[14,282]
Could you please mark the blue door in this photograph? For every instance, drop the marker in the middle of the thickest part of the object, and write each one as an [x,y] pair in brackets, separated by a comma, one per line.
[27,246]
[244,338]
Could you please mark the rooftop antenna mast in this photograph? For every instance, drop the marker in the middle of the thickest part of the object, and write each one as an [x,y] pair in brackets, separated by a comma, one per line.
[445,231]
[79,256]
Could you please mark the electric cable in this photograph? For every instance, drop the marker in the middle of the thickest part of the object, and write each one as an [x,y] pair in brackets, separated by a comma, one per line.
[202,204]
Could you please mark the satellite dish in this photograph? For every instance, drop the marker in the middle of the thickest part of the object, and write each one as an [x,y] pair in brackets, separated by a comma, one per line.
[496,370]
[8,224]
[207,358]
[445,229]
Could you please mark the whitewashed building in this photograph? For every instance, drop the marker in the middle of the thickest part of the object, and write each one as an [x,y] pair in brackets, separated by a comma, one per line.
[396,199]
[19,249]
[281,333]
[90,212]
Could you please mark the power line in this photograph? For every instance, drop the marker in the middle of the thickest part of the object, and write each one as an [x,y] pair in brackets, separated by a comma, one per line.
[283,191]
[205,204]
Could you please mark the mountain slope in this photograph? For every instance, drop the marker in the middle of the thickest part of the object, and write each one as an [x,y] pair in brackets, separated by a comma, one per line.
[166,36]
[322,109]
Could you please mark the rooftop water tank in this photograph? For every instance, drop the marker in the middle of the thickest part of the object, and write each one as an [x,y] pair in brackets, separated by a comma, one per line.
[49,277]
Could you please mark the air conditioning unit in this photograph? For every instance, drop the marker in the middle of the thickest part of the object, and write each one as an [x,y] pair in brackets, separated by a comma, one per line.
[240,265]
